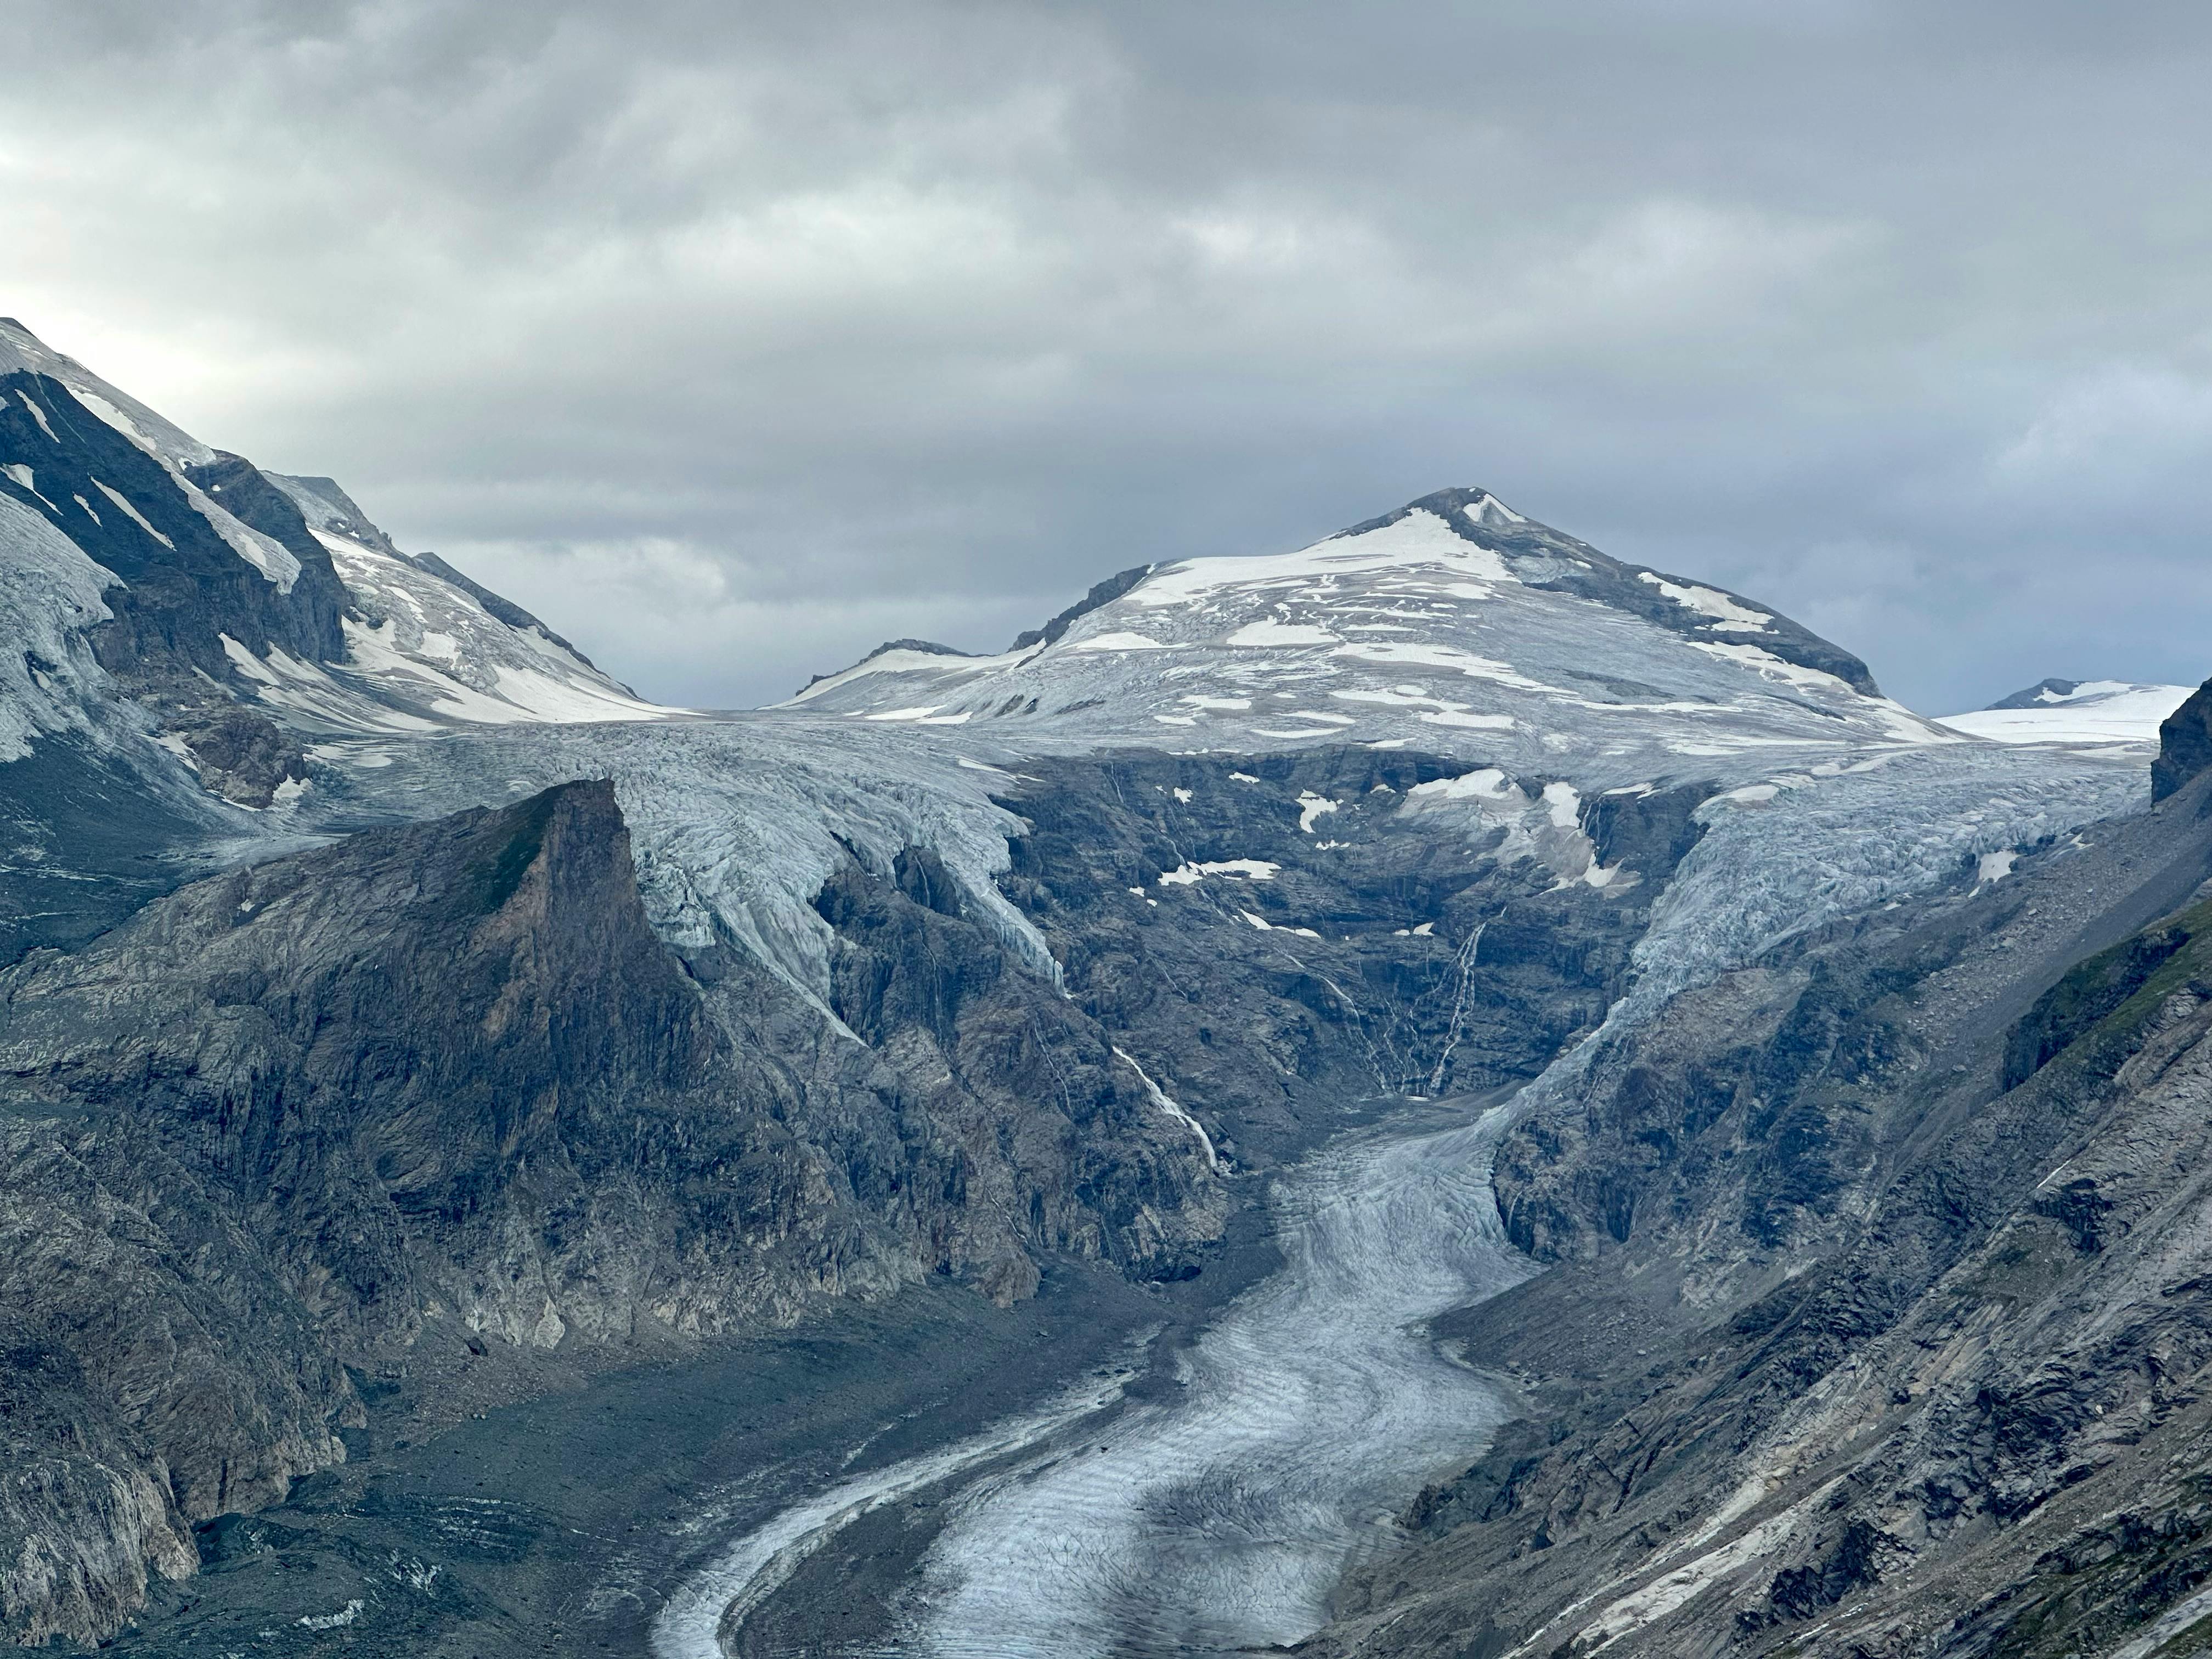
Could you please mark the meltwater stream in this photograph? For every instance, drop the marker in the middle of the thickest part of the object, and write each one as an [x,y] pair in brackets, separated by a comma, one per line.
[1309,1412]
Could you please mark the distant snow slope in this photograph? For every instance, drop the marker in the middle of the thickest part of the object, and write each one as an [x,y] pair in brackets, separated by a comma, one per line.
[2092,712]
[1451,617]
[424,647]
[431,650]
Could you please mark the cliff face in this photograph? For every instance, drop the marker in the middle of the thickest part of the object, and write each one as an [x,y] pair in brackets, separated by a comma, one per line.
[1902,1240]
[297,1114]
[2184,744]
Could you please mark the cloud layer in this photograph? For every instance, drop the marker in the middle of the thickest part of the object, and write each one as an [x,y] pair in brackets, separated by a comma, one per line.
[735,339]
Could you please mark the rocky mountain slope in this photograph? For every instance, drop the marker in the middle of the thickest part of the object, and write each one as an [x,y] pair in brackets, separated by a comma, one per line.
[1906,1221]
[389,983]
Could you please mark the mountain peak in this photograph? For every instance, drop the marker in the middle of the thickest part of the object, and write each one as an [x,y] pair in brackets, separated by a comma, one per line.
[245,610]
[22,353]
[1453,620]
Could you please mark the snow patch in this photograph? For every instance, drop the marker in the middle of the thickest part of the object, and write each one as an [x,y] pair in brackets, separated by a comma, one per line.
[1439,656]
[37,413]
[1273,631]
[1710,602]
[1546,828]
[1419,539]
[1118,641]
[343,1617]
[921,711]
[1189,875]
[1267,927]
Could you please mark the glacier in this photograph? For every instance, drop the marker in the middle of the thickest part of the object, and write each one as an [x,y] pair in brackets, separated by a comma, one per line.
[1543,676]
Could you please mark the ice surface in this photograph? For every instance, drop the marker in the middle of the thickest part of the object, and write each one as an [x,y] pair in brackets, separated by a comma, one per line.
[2101,711]
[49,592]
[1220,1519]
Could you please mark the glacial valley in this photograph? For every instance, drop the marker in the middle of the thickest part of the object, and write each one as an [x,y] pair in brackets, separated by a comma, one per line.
[1433,1094]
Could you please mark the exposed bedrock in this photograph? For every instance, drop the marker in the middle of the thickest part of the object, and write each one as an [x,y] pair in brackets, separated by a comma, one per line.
[295,1116]
[2184,744]
[182,587]
[442,1083]
[1882,1308]
[1279,936]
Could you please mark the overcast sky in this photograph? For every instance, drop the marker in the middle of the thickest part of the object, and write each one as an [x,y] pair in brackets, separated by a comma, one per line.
[736,339]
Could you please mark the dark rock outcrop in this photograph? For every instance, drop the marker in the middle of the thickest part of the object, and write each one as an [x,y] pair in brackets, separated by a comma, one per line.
[243,756]
[1381,958]
[2039,696]
[2184,744]
[1101,593]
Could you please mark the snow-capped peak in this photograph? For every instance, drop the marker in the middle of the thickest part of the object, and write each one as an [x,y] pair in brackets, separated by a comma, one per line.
[432,647]
[20,350]
[348,633]
[1454,623]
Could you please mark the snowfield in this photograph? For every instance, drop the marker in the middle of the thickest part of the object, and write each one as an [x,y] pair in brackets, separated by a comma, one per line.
[1399,635]
[2100,713]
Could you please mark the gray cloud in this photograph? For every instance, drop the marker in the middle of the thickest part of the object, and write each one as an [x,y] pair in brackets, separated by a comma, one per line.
[733,340]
